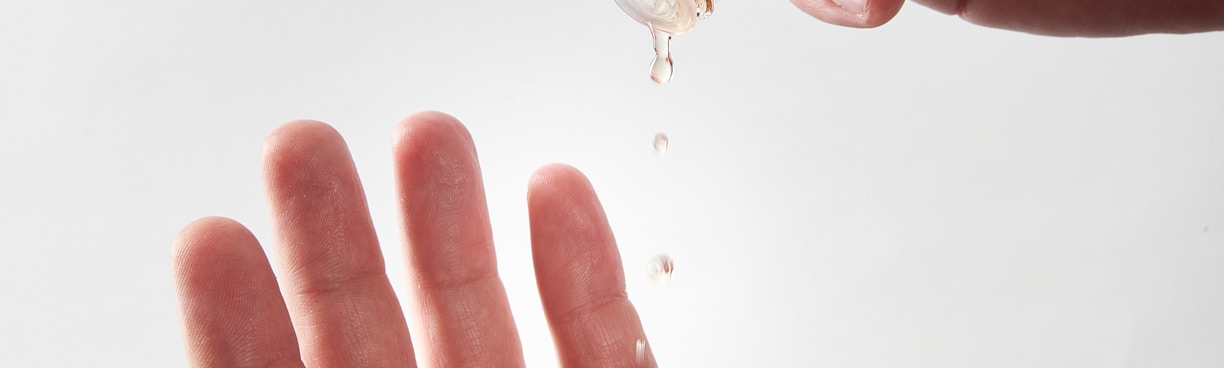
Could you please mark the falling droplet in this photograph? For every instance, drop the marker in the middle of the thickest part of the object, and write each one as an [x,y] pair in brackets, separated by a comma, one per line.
[660,143]
[641,352]
[660,268]
[661,67]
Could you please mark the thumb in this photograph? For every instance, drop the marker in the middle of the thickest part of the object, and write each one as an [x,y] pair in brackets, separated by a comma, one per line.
[852,13]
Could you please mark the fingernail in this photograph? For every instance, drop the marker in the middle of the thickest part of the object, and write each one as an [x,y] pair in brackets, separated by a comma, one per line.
[858,7]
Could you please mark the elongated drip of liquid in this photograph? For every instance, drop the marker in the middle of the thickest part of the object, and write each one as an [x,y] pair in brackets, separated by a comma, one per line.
[666,18]
[661,68]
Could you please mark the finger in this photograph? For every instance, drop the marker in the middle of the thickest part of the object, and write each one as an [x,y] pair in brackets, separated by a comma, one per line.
[852,13]
[451,262]
[579,274]
[1089,17]
[232,309]
[343,307]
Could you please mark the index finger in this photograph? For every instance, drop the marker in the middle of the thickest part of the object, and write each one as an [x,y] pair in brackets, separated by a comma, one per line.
[579,274]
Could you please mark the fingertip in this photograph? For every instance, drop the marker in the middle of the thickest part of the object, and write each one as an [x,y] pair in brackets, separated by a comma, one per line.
[553,178]
[562,208]
[299,134]
[210,244]
[207,236]
[559,186]
[419,129]
[434,152]
[851,13]
[556,169]
[293,146]
[427,118]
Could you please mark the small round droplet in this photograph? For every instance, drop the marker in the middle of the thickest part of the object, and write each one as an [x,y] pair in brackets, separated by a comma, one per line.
[660,143]
[641,352]
[660,268]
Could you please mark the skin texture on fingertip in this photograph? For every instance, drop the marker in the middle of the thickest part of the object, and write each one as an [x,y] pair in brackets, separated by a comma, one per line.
[876,12]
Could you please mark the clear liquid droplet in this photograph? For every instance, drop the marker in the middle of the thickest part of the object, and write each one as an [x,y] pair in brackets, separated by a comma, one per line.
[660,143]
[661,67]
[641,352]
[660,268]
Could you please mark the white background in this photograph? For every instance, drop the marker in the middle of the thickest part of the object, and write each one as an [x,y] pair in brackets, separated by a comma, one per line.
[926,194]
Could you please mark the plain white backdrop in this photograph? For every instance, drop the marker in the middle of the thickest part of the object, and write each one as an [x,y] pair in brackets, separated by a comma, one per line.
[926,194]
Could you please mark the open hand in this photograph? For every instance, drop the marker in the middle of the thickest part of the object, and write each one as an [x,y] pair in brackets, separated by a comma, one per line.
[336,307]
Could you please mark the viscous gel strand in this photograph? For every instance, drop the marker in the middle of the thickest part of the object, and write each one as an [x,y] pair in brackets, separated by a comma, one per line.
[666,18]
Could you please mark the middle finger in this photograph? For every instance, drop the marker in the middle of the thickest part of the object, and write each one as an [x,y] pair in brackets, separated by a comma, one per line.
[343,308]
[452,266]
